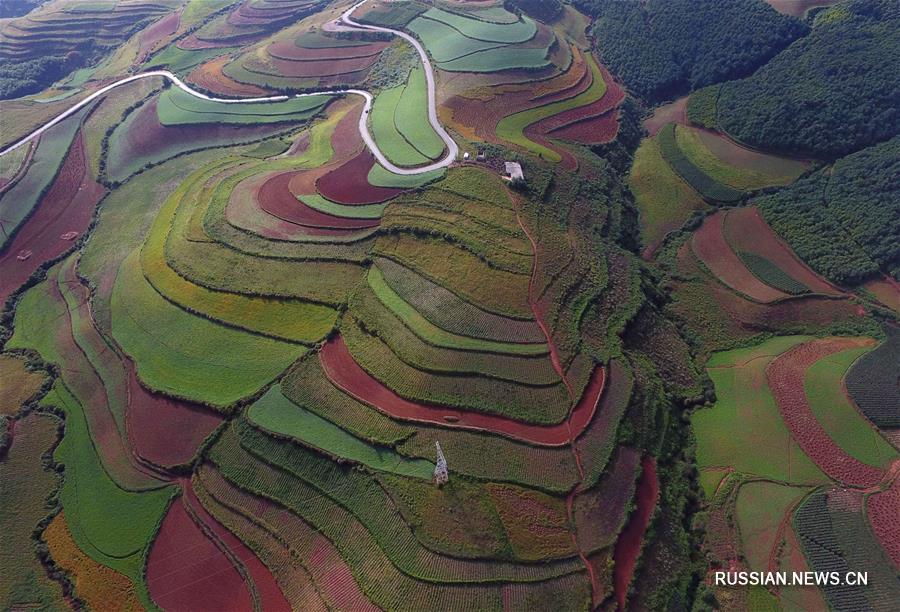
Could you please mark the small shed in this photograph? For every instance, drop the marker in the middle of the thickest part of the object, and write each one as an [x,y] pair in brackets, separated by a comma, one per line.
[514,172]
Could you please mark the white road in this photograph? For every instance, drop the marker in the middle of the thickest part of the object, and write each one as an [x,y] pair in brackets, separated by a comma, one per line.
[347,24]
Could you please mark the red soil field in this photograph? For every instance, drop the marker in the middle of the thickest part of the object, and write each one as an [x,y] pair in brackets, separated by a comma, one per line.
[192,43]
[746,230]
[711,247]
[68,206]
[786,380]
[275,198]
[883,512]
[348,376]
[289,51]
[210,76]
[270,595]
[674,112]
[187,571]
[614,95]
[593,130]
[151,36]
[162,430]
[318,68]
[628,546]
[349,183]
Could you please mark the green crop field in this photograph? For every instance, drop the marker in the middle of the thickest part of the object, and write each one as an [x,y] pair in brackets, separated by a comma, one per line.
[844,424]
[243,365]
[275,413]
[745,431]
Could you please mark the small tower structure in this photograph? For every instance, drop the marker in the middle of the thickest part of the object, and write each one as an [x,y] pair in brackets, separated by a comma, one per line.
[441,476]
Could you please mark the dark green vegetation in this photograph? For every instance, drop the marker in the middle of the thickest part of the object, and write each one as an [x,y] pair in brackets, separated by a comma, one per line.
[542,10]
[843,221]
[829,94]
[771,274]
[664,47]
[872,382]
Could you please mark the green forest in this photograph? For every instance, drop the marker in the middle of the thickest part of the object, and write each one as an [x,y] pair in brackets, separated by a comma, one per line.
[830,93]
[843,222]
[661,48]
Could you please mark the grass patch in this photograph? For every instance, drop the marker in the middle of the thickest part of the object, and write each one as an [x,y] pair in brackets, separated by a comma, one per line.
[177,107]
[444,43]
[202,360]
[664,200]
[706,185]
[500,58]
[379,177]
[275,413]
[760,508]
[515,32]
[19,383]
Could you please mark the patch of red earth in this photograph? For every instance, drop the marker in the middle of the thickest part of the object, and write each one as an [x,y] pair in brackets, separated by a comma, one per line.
[289,51]
[628,545]
[186,570]
[152,36]
[569,161]
[599,512]
[351,378]
[674,112]
[593,130]
[349,183]
[746,230]
[797,8]
[883,512]
[164,431]
[786,375]
[68,206]
[886,290]
[275,198]
[711,247]
[192,43]
[209,76]
[267,589]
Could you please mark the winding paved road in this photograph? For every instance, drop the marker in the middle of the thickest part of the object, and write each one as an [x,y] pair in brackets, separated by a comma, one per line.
[346,24]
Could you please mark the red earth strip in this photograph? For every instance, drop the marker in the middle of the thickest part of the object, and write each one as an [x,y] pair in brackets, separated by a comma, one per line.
[275,197]
[348,376]
[187,571]
[786,376]
[883,512]
[349,183]
[67,207]
[628,545]
[287,50]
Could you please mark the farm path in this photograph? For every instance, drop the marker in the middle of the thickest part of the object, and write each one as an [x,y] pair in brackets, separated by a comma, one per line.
[346,23]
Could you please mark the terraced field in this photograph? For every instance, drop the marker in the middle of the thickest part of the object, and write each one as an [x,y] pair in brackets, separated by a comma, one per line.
[281,330]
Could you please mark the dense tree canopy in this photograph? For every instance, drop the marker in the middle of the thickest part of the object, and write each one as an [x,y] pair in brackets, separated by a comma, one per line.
[31,76]
[845,221]
[663,47]
[829,94]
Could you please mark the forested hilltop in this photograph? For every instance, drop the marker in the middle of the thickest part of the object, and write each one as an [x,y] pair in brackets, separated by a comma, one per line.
[664,47]
[830,93]
[843,221]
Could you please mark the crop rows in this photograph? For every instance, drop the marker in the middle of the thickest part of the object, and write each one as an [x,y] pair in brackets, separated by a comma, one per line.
[870,382]
[705,185]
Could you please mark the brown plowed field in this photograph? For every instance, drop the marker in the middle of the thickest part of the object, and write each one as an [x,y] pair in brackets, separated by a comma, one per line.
[210,76]
[710,246]
[786,376]
[746,230]
[67,207]
[610,100]
[674,112]
[151,36]
[348,376]
[349,183]
[275,198]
